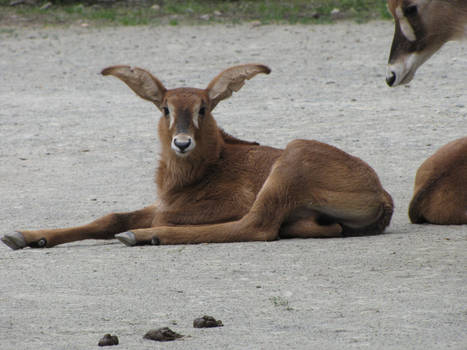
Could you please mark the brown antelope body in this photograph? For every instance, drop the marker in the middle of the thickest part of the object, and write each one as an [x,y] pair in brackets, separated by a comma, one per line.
[213,187]
[421,28]
[440,195]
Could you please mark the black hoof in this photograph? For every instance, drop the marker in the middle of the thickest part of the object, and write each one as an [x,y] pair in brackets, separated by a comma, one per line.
[155,241]
[15,241]
[127,238]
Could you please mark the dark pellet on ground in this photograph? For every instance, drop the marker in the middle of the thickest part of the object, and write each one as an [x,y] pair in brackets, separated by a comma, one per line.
[108,340]
[207,322]
[162,334]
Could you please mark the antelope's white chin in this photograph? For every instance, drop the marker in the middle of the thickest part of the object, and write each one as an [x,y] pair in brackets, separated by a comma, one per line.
[403,71]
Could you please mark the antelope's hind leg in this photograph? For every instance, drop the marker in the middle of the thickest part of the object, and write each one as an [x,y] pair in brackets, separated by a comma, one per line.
[102,228]
[311,226]
[342,193]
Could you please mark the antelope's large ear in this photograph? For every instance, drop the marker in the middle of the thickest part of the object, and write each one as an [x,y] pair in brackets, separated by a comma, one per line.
[232,79]
[143,83]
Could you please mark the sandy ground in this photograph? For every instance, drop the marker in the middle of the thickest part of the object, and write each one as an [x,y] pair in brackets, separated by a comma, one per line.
[75,146]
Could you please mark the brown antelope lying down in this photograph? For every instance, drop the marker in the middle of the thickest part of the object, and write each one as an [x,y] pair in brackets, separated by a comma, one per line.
[440,195]
[422,27]
[213,187]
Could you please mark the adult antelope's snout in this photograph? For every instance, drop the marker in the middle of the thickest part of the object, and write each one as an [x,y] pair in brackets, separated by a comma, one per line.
[403,71]
[403,58]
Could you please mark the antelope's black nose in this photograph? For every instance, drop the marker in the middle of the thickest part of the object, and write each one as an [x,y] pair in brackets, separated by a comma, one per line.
[391,79]
[182,145]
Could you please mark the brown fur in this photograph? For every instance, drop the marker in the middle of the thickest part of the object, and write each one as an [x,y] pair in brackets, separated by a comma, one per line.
[225,189]
[440,195]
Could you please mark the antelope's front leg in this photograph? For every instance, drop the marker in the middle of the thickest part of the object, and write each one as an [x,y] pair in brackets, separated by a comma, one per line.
[261,223]
[217,233]
[236,231]
[103,228]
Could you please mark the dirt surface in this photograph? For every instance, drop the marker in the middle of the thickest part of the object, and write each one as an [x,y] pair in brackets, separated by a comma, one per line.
[75,145]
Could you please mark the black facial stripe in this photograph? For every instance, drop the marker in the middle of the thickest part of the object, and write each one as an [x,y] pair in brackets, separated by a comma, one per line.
[182,124]
[420,33]
[401,45]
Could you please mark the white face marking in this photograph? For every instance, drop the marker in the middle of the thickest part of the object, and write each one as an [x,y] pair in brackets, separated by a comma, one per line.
[404,69]
[171,116]
[405,26]
[412,60]
[196,115]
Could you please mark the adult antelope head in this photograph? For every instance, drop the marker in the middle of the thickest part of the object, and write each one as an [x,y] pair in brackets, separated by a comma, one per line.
[421,28]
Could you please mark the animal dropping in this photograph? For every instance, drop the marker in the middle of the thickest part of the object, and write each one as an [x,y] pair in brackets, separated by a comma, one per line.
[213,187]
[207,322]
[162,334]
[108,340]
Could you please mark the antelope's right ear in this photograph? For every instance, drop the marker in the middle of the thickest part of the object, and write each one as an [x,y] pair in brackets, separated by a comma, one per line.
[143,83]
[232,79]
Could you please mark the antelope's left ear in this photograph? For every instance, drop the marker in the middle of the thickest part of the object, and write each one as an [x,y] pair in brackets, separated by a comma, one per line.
[232,79]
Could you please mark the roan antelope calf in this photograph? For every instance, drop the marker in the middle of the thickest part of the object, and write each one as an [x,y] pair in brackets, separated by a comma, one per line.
[422,27]
[213,187]
[440,195]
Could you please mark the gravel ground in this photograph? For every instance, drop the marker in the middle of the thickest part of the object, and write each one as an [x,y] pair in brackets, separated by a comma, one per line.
[75,146]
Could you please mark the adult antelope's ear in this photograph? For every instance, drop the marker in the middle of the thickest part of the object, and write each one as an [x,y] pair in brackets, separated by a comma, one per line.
[143,83]
[232,79]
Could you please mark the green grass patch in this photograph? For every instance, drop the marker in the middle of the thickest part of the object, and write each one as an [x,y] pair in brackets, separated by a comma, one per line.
[176,12]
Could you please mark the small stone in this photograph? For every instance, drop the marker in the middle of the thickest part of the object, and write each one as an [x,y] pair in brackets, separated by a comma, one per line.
[207,322]
[108,340]
[156,7]
[205,17]
[162,334]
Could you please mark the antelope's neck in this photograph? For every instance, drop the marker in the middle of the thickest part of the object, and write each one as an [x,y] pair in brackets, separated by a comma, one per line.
[176,173]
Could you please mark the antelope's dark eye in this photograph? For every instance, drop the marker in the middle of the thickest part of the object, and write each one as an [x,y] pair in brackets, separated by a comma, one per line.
[202,111]
[410,11]
[166,111]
